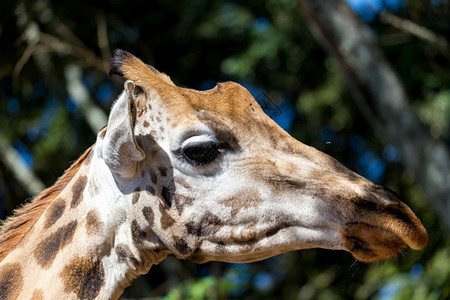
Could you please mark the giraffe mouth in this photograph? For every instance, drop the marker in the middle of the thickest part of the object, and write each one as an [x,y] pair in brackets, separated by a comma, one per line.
[382,228]
[369,243]
[250,246]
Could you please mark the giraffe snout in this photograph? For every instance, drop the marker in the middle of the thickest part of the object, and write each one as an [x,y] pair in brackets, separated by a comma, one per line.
[382,226]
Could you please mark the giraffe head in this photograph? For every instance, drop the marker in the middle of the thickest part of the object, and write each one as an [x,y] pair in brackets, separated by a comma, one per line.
[213,178]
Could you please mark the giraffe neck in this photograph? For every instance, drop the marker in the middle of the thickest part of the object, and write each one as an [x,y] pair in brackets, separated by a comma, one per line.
[86,244]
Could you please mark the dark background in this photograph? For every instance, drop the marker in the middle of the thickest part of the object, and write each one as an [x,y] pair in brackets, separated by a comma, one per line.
[47,47]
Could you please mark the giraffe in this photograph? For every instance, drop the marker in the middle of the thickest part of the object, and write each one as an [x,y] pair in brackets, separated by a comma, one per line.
[199,175]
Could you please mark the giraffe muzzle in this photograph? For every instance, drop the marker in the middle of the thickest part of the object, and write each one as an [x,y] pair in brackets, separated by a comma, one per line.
[383,228]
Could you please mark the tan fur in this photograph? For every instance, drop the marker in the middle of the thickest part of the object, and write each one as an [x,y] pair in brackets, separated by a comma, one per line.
[15,227]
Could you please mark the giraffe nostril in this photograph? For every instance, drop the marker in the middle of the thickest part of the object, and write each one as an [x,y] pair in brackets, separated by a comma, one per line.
[385,195]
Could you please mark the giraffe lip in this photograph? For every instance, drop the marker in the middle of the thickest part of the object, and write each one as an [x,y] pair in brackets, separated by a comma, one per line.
[249,234]
[369,243]
[245,236]
[247,250]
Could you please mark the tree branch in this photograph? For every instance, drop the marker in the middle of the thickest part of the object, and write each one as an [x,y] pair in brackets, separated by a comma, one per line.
[95,117]
[15,163]
[419,31]
[380,95]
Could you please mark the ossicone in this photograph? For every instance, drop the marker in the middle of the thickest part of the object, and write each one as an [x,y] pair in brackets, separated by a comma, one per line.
[132,68]
[117,61]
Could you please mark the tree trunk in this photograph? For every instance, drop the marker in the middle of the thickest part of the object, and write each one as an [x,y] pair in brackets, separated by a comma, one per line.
[381,97]
[15,163]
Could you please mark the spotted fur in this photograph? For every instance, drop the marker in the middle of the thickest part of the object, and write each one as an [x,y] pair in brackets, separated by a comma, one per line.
[93,223]
[15,227]
[84,277]
[136,195]
[54,212]
[124,255]
[47,250]
[38,294]
[11,281]
[77,191]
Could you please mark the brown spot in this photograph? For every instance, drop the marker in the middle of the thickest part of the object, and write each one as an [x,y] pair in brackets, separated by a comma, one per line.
[11,281]
[183,183]
[124,255]
[165,193]
[138,235]
[146,124]
[46,250]
[208,225]
[182,246]
[136,195]
[148,215]
[194,229]
[245,200]
[166,220]
[77,191]
[150,189]
[38,294]
[158,119]
[54,212]
[161,128]
[181,201]
[162,171]
[153,177]
[84,277]
[93,223]
[121,216]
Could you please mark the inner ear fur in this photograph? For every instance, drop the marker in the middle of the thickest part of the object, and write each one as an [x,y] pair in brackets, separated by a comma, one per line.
[120,150]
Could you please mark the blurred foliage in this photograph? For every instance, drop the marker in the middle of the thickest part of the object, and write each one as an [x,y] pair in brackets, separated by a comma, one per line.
[204,288]
[262,43]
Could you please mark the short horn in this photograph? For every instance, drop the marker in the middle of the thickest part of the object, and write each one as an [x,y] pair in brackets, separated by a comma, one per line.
[132,68]
[117,61]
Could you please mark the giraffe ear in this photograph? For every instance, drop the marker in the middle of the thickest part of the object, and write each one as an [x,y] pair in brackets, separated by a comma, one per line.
[120,150]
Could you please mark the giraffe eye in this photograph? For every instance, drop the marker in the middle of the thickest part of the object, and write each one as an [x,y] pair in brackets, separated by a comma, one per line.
[201,154]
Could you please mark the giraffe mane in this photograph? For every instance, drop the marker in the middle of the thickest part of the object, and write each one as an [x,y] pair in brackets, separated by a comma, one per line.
[13,229]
